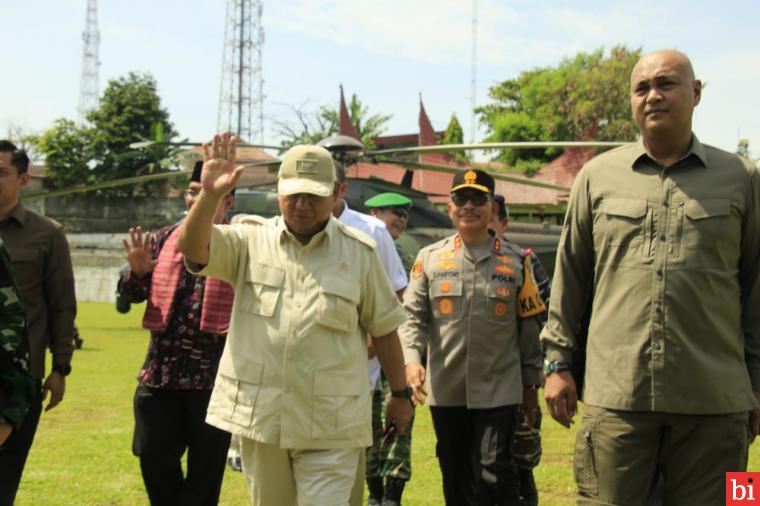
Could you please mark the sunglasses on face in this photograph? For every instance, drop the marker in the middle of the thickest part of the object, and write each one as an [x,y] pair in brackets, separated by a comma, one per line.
[477,198]
[401,212]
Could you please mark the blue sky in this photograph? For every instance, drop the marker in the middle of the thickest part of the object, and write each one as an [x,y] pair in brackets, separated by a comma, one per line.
[386,51]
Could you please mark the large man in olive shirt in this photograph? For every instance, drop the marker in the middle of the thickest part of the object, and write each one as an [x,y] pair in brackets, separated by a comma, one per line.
[663,236]
[39,252]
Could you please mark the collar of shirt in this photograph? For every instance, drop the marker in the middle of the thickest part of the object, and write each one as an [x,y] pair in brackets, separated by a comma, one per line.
[640,155]
[19,213]
[284,234]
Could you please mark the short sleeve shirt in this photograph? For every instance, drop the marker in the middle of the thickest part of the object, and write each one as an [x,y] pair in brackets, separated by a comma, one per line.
[294,371]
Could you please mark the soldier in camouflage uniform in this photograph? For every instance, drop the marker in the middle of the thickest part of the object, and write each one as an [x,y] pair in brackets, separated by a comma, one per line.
[389,460]
[16,384]
[526,445]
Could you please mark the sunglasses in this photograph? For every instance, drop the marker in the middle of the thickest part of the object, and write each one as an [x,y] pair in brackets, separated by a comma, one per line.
[401,212]
[478,199]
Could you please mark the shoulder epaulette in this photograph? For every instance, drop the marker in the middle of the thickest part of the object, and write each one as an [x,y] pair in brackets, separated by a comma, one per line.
[248,219]
[356,234]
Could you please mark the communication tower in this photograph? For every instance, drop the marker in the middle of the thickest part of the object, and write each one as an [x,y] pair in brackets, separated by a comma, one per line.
[88,86]
[241,94]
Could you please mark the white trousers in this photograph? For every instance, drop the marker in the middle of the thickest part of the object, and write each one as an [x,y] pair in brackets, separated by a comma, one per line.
[282,477]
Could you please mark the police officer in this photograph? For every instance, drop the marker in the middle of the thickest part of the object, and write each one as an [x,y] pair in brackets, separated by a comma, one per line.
[471,304]
[663,237]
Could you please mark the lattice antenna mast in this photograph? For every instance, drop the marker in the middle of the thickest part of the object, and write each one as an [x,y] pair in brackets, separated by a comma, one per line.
[89,91]
[474,70]
[241,93]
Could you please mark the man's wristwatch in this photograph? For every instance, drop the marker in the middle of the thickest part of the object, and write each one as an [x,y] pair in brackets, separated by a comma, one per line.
[404,393]
[62,369]
[554,366]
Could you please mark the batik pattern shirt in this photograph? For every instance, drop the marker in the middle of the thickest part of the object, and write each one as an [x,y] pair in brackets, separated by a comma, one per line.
[182,357]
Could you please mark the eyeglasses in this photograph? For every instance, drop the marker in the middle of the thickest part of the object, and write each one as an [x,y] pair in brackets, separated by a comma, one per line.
[478,199]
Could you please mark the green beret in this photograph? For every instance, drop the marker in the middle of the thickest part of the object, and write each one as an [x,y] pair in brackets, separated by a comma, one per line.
[388,200]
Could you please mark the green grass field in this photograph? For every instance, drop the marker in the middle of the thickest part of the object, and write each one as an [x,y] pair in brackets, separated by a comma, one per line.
[82,452]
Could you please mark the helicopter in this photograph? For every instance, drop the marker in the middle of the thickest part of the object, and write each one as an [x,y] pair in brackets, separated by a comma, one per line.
[376,171]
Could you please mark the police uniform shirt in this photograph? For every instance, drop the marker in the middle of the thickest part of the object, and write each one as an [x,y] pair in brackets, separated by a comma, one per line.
[670,257]
[465,311]
[294,370]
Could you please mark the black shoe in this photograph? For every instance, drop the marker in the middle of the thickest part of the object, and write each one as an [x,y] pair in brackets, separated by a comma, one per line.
[528,491]
[375,487]
[394,488]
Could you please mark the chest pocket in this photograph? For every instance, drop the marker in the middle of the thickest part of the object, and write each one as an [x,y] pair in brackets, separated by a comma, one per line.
[262,289]
[500,295]
[25,267]
[446,297]
[706,222]
[621,222]
[338,304]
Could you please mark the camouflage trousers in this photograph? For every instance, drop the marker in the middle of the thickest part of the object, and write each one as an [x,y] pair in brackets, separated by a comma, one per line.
[526,444]
[394,458]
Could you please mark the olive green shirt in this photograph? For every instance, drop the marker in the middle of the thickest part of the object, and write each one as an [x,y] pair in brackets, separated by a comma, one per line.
[294,370]
[670,257]
[464,311]
[39,251]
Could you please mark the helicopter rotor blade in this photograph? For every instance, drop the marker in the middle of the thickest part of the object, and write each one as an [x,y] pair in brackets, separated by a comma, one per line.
[496,175]
[147,144]
[443,148]
[270,165]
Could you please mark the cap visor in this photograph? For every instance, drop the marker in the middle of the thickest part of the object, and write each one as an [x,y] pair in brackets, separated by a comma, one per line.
[480,187]
[292,186]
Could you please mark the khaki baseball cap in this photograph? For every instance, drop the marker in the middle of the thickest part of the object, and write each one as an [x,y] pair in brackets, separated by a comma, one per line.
[306,169]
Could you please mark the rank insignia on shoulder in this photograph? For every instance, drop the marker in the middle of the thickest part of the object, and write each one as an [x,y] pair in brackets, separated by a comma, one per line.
[416,270]
[457,242]
[497,245]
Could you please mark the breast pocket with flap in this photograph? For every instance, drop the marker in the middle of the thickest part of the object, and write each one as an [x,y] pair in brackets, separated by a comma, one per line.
[338,304]
[262,289]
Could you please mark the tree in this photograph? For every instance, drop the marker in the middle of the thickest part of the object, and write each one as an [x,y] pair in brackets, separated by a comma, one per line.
[314,126]
[67,151]
[130,109]
[583,98]
[455,135]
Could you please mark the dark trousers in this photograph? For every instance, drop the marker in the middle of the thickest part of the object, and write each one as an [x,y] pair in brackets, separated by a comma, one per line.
[474,453]
[14,451]
[168,422]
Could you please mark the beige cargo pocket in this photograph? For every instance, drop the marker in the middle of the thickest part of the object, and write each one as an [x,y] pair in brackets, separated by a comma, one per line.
[446,297]
[240,385]
[262,289]
[584,459]
[338,406]
[621,222]
[338,304]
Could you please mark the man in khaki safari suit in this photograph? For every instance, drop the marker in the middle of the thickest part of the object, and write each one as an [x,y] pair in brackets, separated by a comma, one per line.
[292,379]
[663,236]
